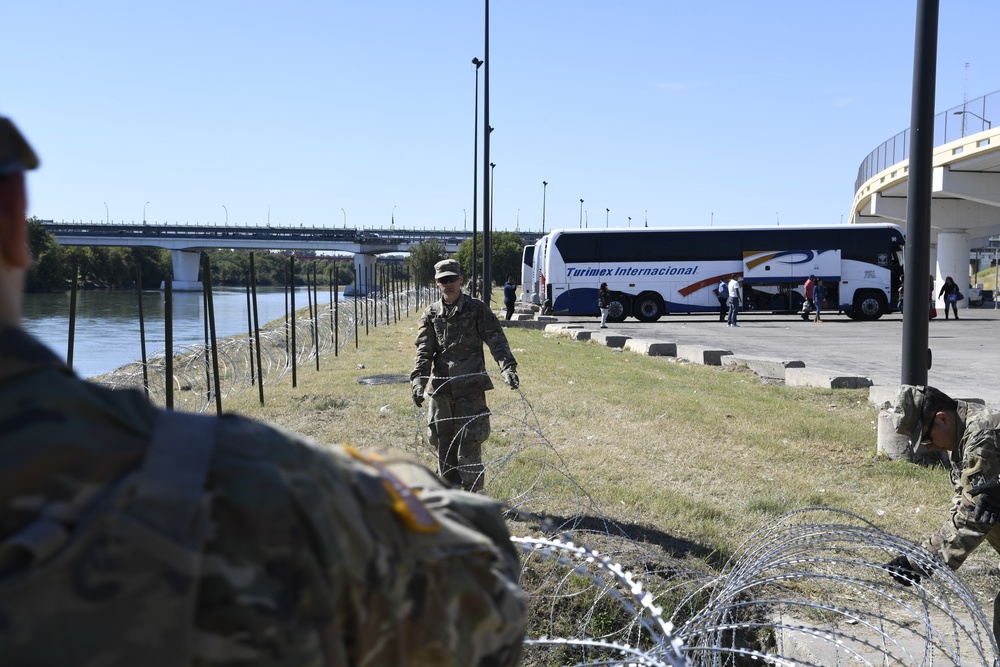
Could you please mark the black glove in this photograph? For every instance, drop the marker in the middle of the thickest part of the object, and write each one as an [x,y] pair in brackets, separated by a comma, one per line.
[417,390]
[988,503]
[899,568]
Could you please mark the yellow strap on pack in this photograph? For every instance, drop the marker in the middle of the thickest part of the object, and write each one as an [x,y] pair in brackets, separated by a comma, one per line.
[405,504]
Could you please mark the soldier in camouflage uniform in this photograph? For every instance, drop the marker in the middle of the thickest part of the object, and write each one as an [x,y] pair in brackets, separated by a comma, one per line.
[970,434]
[132,535]
[450,370]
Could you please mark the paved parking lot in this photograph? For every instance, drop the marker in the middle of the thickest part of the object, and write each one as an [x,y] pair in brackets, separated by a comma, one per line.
[965,352]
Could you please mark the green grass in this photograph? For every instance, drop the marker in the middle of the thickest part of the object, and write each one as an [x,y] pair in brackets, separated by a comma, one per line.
[703,454]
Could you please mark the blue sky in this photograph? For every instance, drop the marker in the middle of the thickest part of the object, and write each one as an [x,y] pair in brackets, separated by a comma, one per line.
[675,113]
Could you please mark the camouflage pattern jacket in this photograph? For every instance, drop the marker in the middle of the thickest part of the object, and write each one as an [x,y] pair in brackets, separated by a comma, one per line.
[975,460]
[311,556]
[450,347]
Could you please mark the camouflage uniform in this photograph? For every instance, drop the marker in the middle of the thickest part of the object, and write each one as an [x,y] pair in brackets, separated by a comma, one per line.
[974,461]
[450,354]
[311,556]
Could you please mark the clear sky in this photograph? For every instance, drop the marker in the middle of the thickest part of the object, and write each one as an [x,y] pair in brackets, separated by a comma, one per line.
[675,113]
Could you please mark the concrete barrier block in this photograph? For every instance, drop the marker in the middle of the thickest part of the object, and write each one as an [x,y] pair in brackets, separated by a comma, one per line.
[651,348]
[579,334]
[558,328]
[609,339]
[699,354]
[824,379]
[763,366]
[546,318]
[522,324]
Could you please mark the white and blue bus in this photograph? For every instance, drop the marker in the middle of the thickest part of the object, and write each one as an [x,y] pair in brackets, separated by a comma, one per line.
[653,272]
[527,272]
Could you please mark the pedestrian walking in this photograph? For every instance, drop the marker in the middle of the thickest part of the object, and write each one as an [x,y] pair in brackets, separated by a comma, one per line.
[603,299]
[819,297]
[733,289]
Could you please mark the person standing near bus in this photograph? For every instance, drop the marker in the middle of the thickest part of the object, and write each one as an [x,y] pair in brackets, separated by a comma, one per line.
[603,297]
[819,296]
[733,289]
[450,369]
[807,289]
[723,293]
[509,297]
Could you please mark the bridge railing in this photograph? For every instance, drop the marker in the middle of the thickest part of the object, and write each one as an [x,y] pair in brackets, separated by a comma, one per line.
[955,123]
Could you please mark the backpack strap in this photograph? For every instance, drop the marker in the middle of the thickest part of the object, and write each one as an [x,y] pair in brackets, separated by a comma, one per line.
[170,487]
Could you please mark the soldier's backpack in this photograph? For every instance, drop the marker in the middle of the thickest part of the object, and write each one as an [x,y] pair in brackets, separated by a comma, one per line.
[116,584]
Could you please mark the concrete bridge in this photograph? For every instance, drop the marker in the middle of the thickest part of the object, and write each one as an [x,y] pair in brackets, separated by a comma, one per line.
[185,241]
[965,205]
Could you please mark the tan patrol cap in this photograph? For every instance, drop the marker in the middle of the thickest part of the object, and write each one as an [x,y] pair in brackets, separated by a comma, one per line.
[911,404]
[447,267]
[15,152]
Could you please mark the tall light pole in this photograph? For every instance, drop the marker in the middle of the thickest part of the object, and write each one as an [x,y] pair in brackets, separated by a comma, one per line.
[107,214]
[223,207]
[607,217]
[545,184]
[492,190]
[345,216]
[465,221]
[487,132]
[392,218]
[581,214]
[630,221]
[475,181]
[144,212]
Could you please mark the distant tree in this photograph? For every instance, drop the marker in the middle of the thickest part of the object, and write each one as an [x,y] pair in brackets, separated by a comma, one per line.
[423,257]
[507,250]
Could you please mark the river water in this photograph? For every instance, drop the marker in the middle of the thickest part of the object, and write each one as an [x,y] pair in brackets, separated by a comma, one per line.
[107,322]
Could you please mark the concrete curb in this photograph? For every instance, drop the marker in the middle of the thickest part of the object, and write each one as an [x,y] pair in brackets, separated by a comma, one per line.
[763,366]
[824,379]
[651,348]
[609,339]
[699,354]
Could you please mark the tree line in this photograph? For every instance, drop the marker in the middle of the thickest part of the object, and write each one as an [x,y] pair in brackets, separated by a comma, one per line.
[115,267]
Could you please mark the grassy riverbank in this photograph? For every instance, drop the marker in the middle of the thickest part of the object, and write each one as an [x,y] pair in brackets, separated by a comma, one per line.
[699,453]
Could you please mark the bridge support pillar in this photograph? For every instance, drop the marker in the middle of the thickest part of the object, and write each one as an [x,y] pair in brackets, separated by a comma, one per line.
[186,265]
[364,278]
[952,259]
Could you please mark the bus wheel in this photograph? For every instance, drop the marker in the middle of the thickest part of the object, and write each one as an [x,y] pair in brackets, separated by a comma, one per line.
[869,305]
[648,307]
[618,307]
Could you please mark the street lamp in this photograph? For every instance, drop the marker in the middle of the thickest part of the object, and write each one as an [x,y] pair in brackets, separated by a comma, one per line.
[465,221]
[581,214]
[475,182]
[223,208]
[144,212]
[630,221]
[392,218]
[607,217]
[107,214]
[989,125]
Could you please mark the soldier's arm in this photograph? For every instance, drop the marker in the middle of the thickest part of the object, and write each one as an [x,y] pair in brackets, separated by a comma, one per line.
[961,533]
[492,334]
[427,345]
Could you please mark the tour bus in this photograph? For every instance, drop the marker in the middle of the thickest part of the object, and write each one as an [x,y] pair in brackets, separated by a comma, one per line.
[527,272]
[652,272]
